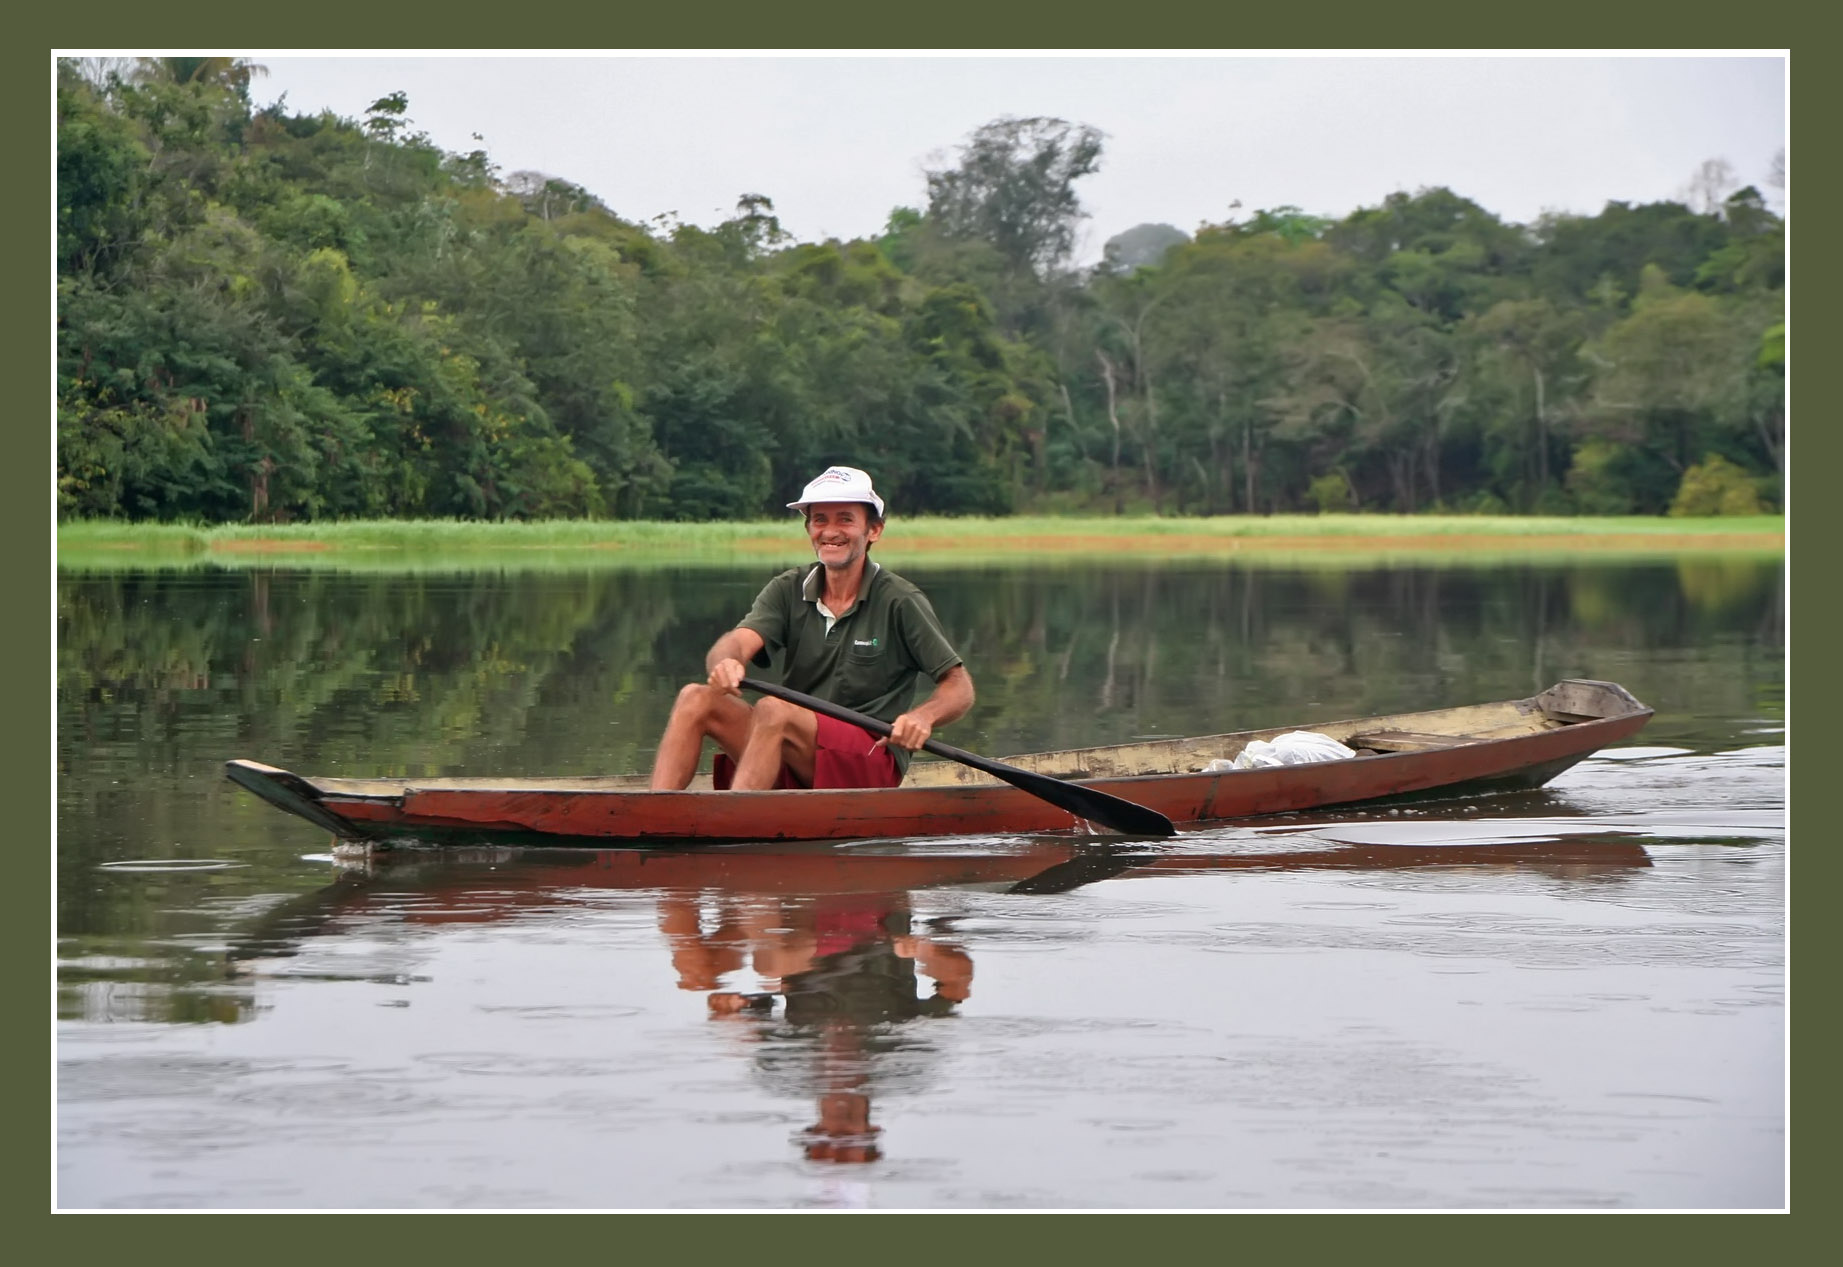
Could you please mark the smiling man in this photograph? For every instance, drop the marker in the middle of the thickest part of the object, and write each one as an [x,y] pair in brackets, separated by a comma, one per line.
[844,629]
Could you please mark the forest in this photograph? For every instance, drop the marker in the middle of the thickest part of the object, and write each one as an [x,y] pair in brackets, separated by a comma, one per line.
[266,317]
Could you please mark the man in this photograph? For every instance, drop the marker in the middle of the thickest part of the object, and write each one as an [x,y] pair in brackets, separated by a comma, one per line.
[845,630]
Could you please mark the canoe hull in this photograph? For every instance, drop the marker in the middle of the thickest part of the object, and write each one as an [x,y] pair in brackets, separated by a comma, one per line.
[612,811]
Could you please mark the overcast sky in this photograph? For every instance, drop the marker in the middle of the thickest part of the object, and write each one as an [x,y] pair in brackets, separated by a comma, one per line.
[837,141]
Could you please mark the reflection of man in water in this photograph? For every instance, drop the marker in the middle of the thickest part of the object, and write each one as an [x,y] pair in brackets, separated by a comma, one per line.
[846,966]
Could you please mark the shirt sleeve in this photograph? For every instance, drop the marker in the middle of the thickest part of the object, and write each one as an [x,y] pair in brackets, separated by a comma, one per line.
[769,614]
[922,637]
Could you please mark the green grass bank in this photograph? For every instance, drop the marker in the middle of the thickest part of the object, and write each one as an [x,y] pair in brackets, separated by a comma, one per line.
[582,543]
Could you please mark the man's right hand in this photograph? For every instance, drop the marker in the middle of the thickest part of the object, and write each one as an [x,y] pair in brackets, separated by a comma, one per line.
[726,675]
[725,659]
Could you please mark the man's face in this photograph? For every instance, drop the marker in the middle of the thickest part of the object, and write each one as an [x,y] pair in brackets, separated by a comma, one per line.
[840,532]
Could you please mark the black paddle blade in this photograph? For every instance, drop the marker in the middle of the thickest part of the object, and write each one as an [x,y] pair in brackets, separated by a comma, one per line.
[1084,868]
[1088,803]
[1127,817]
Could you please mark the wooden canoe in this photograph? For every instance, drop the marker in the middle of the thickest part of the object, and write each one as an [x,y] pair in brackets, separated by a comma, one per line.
[1468,751]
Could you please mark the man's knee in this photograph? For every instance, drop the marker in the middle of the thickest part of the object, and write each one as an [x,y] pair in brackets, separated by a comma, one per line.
[774,714]
[697,699]
[712,712]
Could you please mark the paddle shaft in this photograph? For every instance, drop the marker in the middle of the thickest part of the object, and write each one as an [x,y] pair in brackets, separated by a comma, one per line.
[1083,802]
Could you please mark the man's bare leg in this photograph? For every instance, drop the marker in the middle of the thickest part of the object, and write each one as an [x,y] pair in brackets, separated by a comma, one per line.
[700,711]
[780,734]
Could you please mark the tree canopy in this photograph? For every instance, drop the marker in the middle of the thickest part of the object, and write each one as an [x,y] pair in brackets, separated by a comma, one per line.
[265,316]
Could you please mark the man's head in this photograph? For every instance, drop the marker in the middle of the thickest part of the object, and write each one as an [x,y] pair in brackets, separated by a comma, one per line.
[844,515]
[842,533]
[843,1134]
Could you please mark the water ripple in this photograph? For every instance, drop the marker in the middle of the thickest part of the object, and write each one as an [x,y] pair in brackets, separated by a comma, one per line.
[511,1065]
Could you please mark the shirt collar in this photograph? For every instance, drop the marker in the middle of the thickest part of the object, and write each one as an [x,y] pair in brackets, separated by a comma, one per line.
[813,588]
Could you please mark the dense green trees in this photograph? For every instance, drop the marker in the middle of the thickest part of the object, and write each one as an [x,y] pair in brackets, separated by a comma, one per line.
[265,316]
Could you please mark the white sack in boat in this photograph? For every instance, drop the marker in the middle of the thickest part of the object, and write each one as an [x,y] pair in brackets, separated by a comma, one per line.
[1296,747]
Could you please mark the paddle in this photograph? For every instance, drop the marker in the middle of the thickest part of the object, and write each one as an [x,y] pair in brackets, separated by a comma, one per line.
[1083,802]
[1083,868]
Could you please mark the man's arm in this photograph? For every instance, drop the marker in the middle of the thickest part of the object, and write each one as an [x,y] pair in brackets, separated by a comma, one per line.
[728,657]
[949,965]
[950,701]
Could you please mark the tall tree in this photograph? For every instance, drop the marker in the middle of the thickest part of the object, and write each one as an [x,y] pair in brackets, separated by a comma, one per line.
[1526,363]
[1675,381]
[233,73]
[1014,186]
[1004,217]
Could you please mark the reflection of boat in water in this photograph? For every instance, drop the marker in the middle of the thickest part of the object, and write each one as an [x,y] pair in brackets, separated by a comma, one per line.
[482,884]
[1444,753]
[840,1010]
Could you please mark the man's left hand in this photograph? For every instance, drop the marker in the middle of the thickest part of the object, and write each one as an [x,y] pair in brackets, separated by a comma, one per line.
[909,731]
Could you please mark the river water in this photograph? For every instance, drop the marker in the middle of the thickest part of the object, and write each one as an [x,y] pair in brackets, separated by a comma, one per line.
[1567,999]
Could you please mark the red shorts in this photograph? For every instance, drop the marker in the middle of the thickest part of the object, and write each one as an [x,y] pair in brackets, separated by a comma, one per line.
[845,756]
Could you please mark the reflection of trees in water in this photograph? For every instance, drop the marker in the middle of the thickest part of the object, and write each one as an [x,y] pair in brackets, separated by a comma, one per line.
[337,667]
[1071,658]
[510,672]
[186,990]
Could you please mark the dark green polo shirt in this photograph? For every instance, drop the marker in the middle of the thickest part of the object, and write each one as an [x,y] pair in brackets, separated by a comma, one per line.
[873,656]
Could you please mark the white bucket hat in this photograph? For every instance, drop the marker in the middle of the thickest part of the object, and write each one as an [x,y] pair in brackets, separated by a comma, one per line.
[839,484]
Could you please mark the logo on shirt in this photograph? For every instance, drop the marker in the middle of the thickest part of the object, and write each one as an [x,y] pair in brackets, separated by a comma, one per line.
[863,642]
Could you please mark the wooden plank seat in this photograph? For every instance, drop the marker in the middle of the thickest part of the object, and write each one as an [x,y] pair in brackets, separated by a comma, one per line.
[1404,741]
